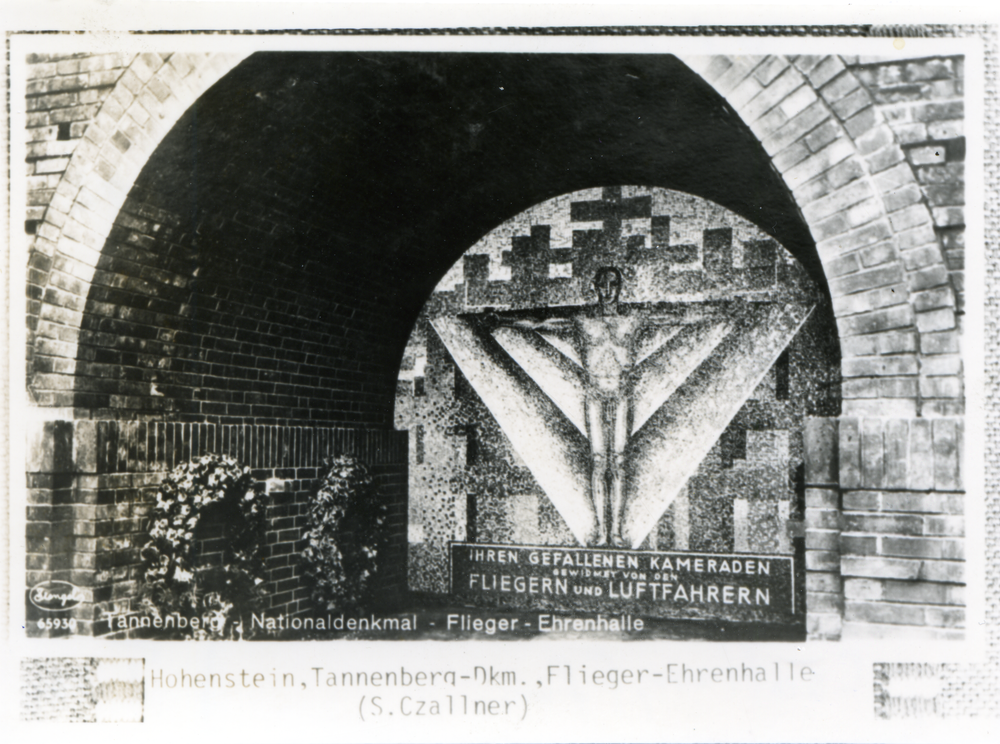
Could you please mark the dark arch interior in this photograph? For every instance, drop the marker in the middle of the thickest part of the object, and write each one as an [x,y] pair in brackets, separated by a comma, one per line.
[277,247]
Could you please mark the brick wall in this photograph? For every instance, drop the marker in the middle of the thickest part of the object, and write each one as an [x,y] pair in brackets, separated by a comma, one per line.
[869,150]
[922,102]
[93,120]
[885,527]
[872,150]
[91,485]
[869,208]
[177,325]
[64,94]
[902,529]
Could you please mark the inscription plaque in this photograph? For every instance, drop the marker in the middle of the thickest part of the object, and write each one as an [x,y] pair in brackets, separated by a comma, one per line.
[684,585]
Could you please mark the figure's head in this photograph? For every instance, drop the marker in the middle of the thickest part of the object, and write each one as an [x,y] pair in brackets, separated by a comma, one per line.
[608,284]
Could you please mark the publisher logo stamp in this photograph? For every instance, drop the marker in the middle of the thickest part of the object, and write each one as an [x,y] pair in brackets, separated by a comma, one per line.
[55,596]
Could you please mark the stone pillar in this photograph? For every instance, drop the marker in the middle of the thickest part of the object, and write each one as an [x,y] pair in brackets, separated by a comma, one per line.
[902,545]
[824,586]
[62,518]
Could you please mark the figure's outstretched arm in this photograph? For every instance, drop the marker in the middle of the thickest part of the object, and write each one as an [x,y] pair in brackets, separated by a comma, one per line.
[660,314]
[491,321]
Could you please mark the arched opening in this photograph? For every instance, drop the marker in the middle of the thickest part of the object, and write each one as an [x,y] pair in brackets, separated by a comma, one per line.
[256,290]
[303,209]
[668,420]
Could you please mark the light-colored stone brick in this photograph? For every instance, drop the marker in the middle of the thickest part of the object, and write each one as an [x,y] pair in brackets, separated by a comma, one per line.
[725,72]
[870,234]
[769,69]
[887,157]
[920,474]
[798,125]
[872,300]
[944,130]
[772,95]
[909,133]
[934,111]
[820,162]
[823,582]
[925,263]
[841,265]
[877,255]
[859,345]
[822,519]
[865,589]
[897,342]
[902,198]
[940,343]
[909,218]
[824,602]
[874,140]
[936,320]
[880,567]
[901,316]
[848,105]
[931,299]
[839,175]
[897,387]
[863,213]
[823,135]
[923,547]
[791,155]
[940,365]
[862,387]
[823,626]
[822,498]
[822,539]
[948,216]
[822,560]
[846,196]
[927,155]
[743,92]
[862,122]
[799,100]
[882,276]
[934,503]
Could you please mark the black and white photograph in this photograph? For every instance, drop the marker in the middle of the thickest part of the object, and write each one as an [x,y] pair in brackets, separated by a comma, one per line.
[356,362]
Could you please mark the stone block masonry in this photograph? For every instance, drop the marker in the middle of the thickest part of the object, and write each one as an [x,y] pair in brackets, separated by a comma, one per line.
[91,484]
[885,531]
[922,102]
[872,151]
[64,94]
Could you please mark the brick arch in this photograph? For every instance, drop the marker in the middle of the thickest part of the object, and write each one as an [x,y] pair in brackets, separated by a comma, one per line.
[146,101]
[832,146]
[874,232]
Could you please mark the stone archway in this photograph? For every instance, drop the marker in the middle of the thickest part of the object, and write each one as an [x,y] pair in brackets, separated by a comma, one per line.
[838,156]
[892,291]
[148,98]
[873,229]
[901,428]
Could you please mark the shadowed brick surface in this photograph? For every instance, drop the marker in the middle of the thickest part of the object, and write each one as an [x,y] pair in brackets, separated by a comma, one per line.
[90,495]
